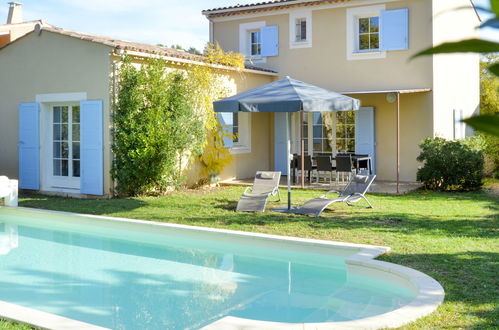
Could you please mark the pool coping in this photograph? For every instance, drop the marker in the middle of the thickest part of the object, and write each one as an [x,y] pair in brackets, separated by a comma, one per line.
[429,293]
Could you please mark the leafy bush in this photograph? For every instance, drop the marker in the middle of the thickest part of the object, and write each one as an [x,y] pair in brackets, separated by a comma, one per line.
[156,127]
[451,165]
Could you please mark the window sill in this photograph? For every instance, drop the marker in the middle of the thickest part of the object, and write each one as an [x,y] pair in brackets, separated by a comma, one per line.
[256,59]
[300,44]
[240,149]
[366,55]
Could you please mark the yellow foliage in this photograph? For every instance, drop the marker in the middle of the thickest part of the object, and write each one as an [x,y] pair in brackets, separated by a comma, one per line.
[207,86]
[215,55]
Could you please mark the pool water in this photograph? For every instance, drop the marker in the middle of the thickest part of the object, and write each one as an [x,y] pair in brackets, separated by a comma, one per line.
[132,279]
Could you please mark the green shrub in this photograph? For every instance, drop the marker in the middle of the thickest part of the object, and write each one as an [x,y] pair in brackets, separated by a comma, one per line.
[155,128]
[451,165]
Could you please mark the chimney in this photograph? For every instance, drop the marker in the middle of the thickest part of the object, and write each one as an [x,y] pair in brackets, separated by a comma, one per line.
[15,13]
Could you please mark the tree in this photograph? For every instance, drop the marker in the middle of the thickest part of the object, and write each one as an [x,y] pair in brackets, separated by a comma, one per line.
[489,105]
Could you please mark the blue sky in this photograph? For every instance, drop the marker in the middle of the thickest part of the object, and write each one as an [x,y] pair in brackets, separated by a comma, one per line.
[151,21]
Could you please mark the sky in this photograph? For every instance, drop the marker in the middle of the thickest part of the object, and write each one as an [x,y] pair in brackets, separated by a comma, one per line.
[151,21]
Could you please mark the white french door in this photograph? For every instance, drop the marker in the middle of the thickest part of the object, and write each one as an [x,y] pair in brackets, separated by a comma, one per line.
[64,148]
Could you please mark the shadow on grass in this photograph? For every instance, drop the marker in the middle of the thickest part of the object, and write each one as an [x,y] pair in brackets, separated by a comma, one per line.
[339,216]
[87,206]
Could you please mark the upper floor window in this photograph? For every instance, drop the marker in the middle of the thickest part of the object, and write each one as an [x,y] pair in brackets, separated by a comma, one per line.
[372,31]
[301,29]
[368,35]
[255,43]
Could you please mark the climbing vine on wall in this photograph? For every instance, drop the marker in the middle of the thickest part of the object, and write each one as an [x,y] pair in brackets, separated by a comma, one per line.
[163,117]
[156,126]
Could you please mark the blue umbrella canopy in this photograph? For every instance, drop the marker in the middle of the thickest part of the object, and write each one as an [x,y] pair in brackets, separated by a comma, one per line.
[287,95]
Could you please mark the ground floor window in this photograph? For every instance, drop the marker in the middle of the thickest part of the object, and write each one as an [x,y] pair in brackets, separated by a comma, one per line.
[329,132]
[66,141]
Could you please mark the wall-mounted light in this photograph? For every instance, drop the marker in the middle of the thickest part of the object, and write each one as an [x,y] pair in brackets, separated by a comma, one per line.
[391,97]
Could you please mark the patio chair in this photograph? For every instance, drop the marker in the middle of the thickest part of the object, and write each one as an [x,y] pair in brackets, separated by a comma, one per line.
[344,164]
[307,160]
[254,199]
[353,192]
[324,164]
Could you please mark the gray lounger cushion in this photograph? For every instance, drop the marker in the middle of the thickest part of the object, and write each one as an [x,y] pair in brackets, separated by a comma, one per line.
[252,203]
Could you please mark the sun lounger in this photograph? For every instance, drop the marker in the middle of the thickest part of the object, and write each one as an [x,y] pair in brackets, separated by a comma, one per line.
[254,199]
[8,191]
[353,192]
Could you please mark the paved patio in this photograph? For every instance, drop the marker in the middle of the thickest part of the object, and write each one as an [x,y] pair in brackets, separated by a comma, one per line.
[379,186]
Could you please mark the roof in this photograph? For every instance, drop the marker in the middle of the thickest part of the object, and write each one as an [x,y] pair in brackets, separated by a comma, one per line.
[273,5]
[263,6]
[130,45]
[126,45]
[401,91]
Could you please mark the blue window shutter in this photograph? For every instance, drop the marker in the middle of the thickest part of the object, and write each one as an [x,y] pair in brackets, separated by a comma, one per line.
[394,29]
[270,40]
[92,163]
[227,120]
[29,146]
[365,134]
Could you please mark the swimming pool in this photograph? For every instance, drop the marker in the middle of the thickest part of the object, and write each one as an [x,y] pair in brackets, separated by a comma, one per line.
[128,274]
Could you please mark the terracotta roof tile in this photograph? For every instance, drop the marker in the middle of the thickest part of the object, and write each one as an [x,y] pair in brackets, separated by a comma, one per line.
[263,6]
[249,5]
[137,46]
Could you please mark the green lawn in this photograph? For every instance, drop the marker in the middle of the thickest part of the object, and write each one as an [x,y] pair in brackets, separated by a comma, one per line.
[453,237]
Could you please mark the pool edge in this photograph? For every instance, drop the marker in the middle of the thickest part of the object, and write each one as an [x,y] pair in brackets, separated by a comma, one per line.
[429,293]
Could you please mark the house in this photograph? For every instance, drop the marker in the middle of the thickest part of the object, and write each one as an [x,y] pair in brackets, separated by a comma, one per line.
[361,48]
[58,87]
[56,97]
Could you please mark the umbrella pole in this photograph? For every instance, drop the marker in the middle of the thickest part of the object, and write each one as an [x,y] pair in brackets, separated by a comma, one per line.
[302,151]
[288,159]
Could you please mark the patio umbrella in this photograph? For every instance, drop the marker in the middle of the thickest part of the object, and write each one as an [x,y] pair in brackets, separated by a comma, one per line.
[287,95]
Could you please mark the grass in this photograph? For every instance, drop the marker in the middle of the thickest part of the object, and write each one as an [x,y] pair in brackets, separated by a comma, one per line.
[453,237]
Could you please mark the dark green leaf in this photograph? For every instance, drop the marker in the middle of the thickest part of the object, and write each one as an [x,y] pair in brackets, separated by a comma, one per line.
[485,123]
[494,68]
[464,46]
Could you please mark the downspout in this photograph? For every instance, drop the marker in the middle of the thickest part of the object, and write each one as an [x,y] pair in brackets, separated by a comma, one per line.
[211,36]
[114,102]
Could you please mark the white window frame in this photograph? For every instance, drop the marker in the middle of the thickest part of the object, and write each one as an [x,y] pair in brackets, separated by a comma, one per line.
[294,16]
[250,41]
[352,28]
[296,133]
[243,144]
[245,30]
[47,101]
[68,181]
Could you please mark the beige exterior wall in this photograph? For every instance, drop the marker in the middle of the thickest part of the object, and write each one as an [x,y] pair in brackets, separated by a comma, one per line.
[51,63]
[326,64]
[261,156]
[415,124]
[456,77]
[43,64]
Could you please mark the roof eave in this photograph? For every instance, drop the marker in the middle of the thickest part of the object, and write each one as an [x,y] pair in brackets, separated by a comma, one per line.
[243,8]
